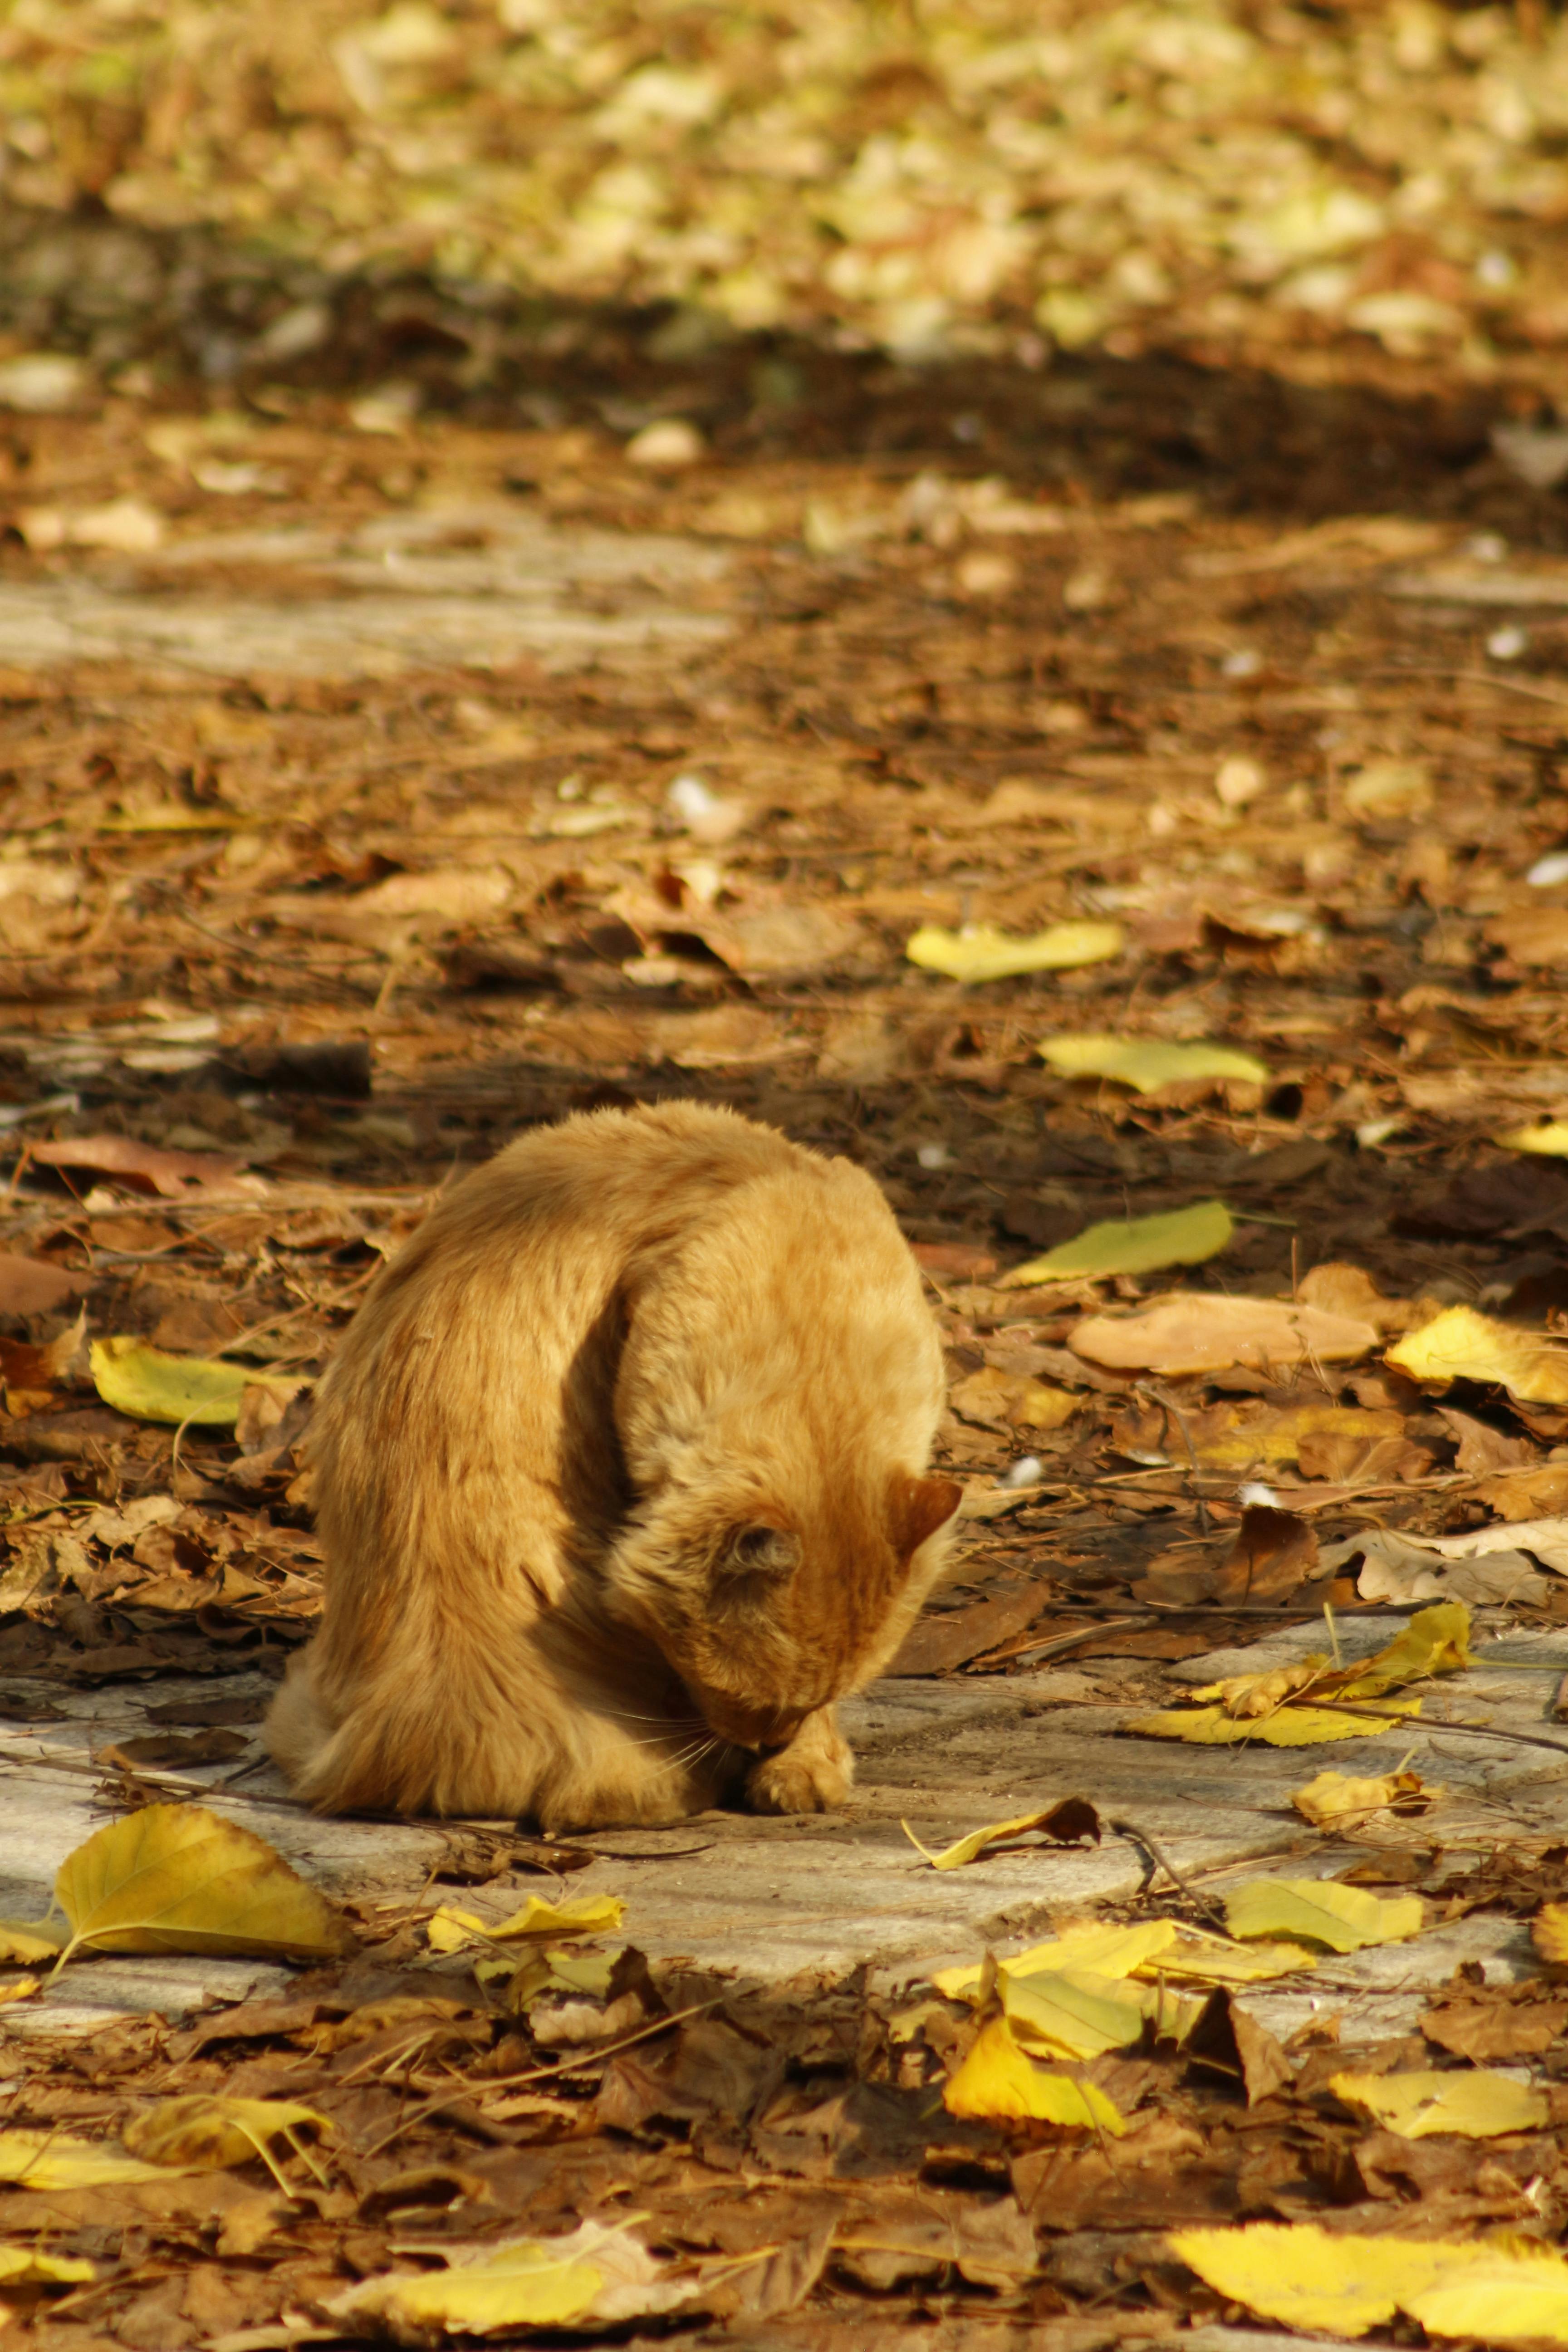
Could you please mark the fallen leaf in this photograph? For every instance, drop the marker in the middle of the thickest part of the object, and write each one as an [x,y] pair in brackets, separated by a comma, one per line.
[152,1386]
[53,2160]
[999,2079]
[174,1175]
[1196,1958]
[23,2266]
[205,2132]
[1474,2104]
[999,1400]
[1461,1344]
[1292,1727]
[1395,1567]
[978,952]
[448,1929]
[596,2273]
[1073,2014]
[1550,1139]
[1238,1435]
[1549,1934]
[1333,1801]
[1068,1821]
[1186,1332]
[1435,1642]
[1101,1946]
[1273,1553]
[19,1989]
[30,1286]
[1226,2038]
[1349,1290]
[1145,1065]
[1492,2024]
[176,1878]
[1309,2277]
[1321,1911]
[27,1944]
[1134,1245]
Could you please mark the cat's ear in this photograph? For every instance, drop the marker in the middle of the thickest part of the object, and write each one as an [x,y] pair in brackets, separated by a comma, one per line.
[918,1507]
[761,1550]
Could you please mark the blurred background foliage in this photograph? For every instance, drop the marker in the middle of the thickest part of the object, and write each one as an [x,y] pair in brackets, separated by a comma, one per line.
[1299,185]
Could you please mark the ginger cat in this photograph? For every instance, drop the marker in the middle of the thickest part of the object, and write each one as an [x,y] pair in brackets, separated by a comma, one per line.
[620,1476]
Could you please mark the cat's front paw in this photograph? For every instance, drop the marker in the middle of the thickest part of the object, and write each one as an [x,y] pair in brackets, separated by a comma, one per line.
[813,1774]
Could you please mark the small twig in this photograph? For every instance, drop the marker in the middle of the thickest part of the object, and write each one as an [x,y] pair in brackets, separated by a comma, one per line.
[1162,1860]
[1432,1723]
[540,2074]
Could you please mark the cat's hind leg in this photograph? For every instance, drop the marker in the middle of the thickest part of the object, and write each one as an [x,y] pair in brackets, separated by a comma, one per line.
[812,1775]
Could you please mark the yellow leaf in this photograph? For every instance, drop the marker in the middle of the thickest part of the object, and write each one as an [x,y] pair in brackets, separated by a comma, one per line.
[1201,1960]
[449,1929]
[1067,1821]
[27,2266]
[1549,1933]
[1310,2277]
[19,1989]
[978,952]
[1460,1344]
[1437,1641]
[1321,1911]
[205,2133]
[1551,1138]
[1145,1065]
[1098,1944]
[1475,2104]
[175,1878]
[151,1386]
[1332,1799]
[1191,1331]
[594,2272]
[1248,1696]
[999,2079]
[1134,1245]
[1292,1727]
[1073,2014]
[51,2160]
[1511,2294]
[36,1939]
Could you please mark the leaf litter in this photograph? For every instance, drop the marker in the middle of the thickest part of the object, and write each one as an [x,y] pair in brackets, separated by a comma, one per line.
[1016,663]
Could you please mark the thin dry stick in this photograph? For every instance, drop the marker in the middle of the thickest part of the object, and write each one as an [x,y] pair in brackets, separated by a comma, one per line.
[541,2074]
[1162,1860]
[1410,1723]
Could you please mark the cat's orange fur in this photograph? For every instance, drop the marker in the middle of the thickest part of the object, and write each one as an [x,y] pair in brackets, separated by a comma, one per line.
[620,1476]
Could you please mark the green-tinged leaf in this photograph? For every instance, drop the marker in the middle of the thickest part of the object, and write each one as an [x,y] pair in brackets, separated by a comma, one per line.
[1134,1245]
[53,2160]
[143,1382]
[1145,1065]
[1321,1911]
[1473,2104]
[1072,2013]
[175,1878]
[978,952]
[998,2079]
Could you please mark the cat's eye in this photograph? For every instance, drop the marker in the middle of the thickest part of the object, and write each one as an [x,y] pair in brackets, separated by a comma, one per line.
[763,1551]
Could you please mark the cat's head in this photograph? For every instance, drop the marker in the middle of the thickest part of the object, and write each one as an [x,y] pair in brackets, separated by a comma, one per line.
[767,1609]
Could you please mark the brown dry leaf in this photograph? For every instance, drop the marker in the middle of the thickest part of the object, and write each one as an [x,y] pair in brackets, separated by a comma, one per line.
[1495,2024]
[207,2132]
[1532,935]
[773,944]
[30,1286]
[1238,1436]
[1274,1552]
[147,1168]
[1226,2038]
[1339,1289]
[1527,1495]
[1395,1567]
[1187,1332]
